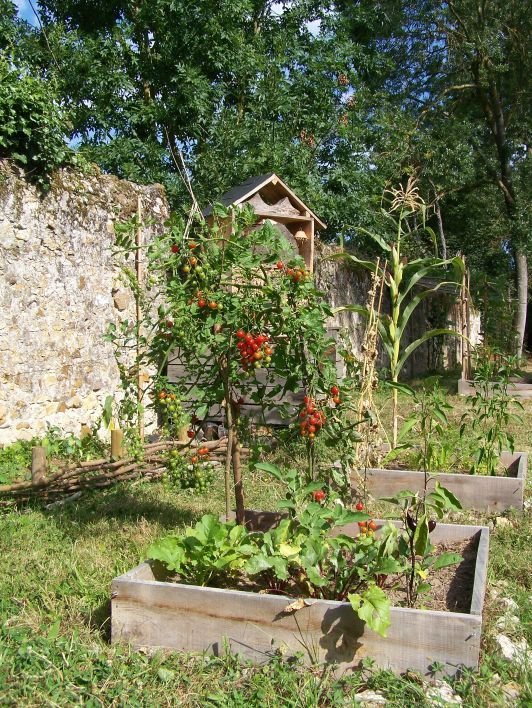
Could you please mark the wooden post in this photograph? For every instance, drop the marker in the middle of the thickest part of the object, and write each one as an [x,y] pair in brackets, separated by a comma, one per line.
[468,326]
[138,271]
[463,323]
[38,464]
[117,437]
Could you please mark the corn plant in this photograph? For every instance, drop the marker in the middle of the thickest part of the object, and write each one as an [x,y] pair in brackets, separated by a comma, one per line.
[402,279]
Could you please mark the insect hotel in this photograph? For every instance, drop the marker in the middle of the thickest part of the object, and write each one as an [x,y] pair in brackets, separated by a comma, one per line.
[276,203]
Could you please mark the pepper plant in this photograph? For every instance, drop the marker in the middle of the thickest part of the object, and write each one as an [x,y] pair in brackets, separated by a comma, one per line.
[490,409]
[419,509]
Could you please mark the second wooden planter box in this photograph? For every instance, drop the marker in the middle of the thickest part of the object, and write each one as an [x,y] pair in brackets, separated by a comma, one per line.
[480,492]
[150,613]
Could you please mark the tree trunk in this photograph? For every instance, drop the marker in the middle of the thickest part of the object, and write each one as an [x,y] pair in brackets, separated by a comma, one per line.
[521,267]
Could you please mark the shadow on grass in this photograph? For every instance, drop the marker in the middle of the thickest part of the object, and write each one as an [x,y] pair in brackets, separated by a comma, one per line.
[120,504]
[99,621]
[447,380]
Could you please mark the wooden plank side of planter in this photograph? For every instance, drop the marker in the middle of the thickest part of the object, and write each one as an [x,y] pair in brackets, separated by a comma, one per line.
[146,612]
[191,618]
[481,573]
[481,492]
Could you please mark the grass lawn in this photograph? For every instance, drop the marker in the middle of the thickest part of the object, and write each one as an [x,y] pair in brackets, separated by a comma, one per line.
[58,564]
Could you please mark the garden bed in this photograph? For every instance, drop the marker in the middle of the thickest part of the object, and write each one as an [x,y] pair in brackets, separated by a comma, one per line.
[518,387]
[481,492]
[147,612]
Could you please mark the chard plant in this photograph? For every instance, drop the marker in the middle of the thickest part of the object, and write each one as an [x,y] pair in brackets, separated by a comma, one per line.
[403,278]
[490,410]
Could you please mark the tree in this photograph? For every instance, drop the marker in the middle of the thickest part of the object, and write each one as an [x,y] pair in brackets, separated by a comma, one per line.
[32,122]
[460,70]
[241,88]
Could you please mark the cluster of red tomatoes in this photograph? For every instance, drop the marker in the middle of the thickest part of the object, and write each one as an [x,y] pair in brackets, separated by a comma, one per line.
[255,349]
[366,528]
[202,455]
[335,393]
[296,275]
[311,419]
[204,302]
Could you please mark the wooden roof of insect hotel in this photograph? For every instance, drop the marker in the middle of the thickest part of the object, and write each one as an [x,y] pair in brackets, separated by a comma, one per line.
[274,201]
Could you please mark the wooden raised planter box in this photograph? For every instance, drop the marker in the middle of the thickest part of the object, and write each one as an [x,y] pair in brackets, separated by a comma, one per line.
[481,492]
[149,613]
[518,387]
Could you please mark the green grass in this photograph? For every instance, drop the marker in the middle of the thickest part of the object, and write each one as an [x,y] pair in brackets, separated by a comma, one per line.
[15,461]
[57,566]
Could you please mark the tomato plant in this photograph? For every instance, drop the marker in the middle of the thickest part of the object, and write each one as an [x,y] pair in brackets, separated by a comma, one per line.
[239,311]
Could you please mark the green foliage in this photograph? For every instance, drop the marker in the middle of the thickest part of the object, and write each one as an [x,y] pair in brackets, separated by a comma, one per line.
[490,411]
[402,278]
[15,461]
[414,543]
[212,552]
[70,446]
[428,423]
[32,123]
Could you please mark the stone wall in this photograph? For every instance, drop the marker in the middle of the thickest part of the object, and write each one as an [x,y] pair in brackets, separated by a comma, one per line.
[59,290]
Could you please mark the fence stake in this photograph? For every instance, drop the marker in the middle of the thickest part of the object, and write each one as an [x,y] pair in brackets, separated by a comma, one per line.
[38,464]
[117,436]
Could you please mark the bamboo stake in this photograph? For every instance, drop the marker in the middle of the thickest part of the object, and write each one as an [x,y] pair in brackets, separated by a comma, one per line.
[234,452]
[463,323]
[138,271]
